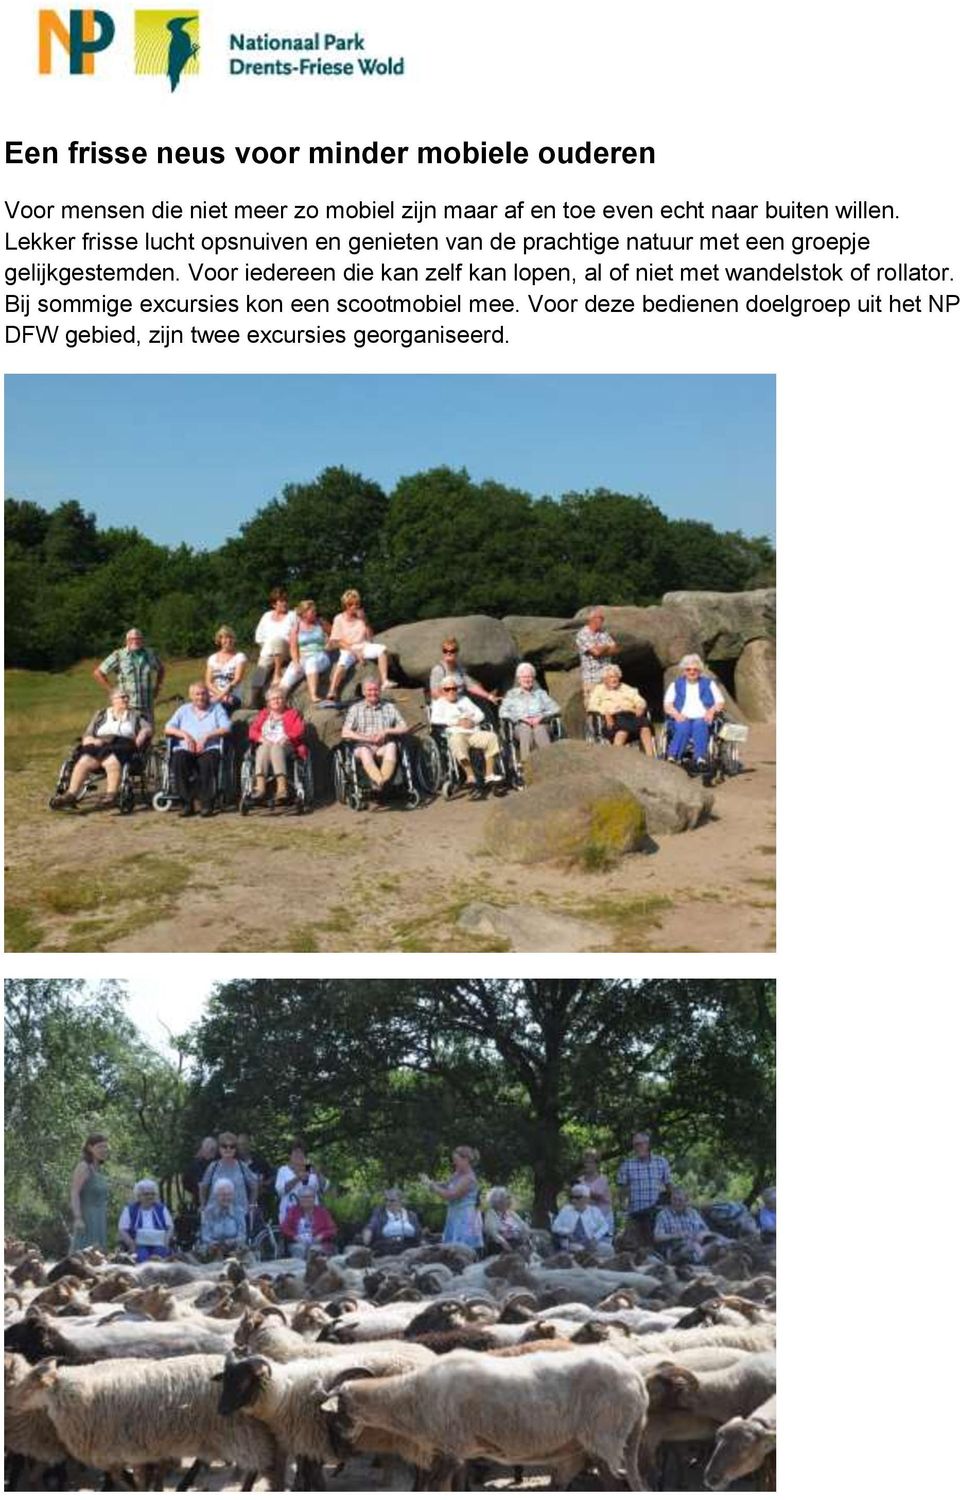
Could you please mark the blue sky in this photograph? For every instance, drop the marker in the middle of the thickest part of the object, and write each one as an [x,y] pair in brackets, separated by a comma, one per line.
[188,458]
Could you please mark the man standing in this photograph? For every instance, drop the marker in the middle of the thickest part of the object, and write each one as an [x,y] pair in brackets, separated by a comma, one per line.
[139,672]
[374,726]
[641,1179]
[595,646]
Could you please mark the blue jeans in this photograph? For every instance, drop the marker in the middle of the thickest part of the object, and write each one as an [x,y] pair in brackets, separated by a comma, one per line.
[697,730]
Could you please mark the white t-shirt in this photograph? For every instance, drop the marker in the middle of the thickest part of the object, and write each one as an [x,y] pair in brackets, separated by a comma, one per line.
[272,629]
[285,1177]
[448,714]
[224,671]
[692,707]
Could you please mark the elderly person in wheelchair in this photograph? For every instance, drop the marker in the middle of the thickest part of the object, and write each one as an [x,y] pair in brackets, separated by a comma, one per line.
[692,702]
[223,1226]
[278,732]
[373,727]
[621,711]
[109,742]
[463,722]
[528,709]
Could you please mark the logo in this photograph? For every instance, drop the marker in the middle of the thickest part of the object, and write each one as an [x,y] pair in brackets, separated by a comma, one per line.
[167,41]
[85,33]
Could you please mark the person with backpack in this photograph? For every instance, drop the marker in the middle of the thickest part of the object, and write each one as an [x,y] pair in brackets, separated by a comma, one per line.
[146,1225]
[229,1166]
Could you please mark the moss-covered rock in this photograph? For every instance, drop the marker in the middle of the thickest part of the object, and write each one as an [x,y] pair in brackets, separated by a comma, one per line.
[673,802]
[594,821]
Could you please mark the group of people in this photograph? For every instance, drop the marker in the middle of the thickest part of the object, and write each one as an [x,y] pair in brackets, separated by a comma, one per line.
[229,1185]
[296,644]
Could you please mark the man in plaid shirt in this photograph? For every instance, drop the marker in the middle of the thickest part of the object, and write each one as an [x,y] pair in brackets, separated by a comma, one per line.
[642,1179]
[596,646]
[374,726]
[679,1229]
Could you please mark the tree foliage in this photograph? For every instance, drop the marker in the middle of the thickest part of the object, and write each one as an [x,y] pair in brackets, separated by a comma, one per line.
[439,544]
[74,1064]
[401,1071]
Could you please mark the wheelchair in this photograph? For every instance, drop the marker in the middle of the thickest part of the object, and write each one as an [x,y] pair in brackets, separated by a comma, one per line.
[412,779]
[166,798]
[594,735]
[300,782]
[263,1241]
[510,747]
[724,749]
[444,771]
[140,777]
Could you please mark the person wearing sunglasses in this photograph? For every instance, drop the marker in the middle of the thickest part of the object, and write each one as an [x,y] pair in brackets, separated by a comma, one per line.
[450,667]
[228,1167]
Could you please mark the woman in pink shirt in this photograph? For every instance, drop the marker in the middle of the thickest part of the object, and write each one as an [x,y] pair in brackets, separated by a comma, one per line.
[351,635]
[600,1195]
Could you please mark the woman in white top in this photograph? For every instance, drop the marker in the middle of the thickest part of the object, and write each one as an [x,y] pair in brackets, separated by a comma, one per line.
[225,669]
[109,740]
[392,1226]
[297,1172]
[272,634]
[580,1225]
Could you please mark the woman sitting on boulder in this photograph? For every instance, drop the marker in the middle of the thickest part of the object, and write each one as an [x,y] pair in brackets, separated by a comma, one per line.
[308,650]
[529,708]
[352,635]
[623,711]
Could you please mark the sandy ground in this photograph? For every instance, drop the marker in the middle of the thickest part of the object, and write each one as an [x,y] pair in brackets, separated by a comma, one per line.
[275,882]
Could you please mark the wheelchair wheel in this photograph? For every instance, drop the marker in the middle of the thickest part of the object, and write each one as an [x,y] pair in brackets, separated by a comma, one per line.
[127,797]
[430,767]
[263,1246]
[162,802]
[414,797]
[340,788]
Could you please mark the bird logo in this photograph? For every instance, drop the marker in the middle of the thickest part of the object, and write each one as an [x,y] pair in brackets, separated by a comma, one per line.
[182,47]
[167,44]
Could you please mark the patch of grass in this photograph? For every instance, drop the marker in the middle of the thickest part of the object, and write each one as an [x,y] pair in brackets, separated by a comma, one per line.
[138,878]
[21,933]
[633,921]
[766,849]
[766,881]
[594,857]
[300,940]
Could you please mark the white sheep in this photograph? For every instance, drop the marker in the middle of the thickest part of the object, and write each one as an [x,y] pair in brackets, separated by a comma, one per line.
[121,1413]
[742,1445]
[555,1408]
[685,1406]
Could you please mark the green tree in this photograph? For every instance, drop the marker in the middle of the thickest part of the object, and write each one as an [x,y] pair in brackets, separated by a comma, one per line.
[397,1069]
[74,1063]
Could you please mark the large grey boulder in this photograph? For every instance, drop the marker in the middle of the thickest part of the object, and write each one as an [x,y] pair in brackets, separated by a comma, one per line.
[673,802]
[594,822]
[487,649]
[755,679]
[725,623]
[545,640]
[648,638]
[566,688]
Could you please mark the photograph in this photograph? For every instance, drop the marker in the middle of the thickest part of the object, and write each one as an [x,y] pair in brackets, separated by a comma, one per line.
[481,664]
[390,1233]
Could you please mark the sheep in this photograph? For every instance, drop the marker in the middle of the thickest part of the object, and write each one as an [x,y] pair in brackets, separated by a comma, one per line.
[77,1343]
[288,1398]
[450,1312]
[755,1339]
[558,1408]
[122,1412]
[742,1445]
[685,1406]
[28,1433]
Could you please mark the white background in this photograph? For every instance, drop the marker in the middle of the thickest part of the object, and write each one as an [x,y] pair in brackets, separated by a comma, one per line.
[742,101]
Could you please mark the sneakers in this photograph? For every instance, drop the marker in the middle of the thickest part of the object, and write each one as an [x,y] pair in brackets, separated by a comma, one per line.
[66,799]
[493,778]
[109,801]
[329,703]
[388,682]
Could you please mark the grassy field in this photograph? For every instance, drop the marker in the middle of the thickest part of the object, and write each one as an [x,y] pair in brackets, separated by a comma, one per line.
[334,881]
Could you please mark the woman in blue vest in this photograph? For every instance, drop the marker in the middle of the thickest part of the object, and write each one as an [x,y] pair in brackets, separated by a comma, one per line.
[146,1227]
[692,701]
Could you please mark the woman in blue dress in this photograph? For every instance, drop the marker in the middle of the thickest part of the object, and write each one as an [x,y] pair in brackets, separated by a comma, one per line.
[463,1223]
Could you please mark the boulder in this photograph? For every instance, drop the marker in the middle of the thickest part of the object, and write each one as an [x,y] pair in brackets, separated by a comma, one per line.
[755,679]
[527,929]
[648,638]
[567,689]
[594,821]
[672,801]
[725,623]
[545,640]
[731,707]
[487,649]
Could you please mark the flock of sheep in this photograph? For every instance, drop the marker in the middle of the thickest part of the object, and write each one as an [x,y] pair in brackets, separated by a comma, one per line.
[431,1370]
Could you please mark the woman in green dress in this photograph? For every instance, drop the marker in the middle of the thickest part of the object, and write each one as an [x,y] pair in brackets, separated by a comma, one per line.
[89,1191]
